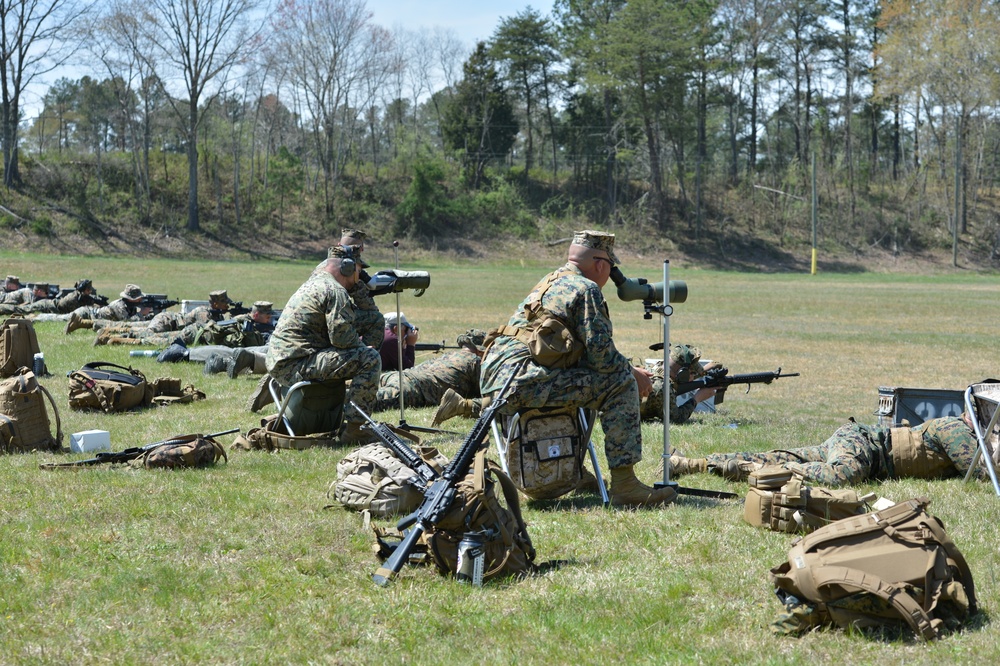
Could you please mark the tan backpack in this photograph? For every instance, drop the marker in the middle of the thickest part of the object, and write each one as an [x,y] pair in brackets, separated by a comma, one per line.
[781,502]
[18,345]
[24,422]
[272,435]
[545,458]
[109,387]
[184,451]
[894,567]
[371,479]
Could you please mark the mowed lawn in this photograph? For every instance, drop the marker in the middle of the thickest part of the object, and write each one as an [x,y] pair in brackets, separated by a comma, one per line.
[244,562]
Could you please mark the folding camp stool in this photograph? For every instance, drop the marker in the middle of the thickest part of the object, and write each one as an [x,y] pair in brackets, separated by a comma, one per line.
[310,407]
[981,400]
[507,429]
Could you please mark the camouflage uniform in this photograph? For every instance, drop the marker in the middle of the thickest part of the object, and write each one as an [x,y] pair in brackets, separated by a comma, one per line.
[651,408]
[856,453]
[316,340]
[601,380]
[21,296]
[62,305]
[424,384]
[368,321]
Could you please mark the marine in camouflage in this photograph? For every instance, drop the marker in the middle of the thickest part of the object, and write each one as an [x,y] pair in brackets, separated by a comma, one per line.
[856,453]
[651,407]
[425,383]
[602,380]
[316,339]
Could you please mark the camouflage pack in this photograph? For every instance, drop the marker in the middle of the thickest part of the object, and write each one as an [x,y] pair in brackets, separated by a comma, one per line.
[544,455]
[186,451]
[893,568]
[108,387]
[371,479]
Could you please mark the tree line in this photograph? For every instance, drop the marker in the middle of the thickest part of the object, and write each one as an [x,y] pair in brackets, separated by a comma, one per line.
[676,115]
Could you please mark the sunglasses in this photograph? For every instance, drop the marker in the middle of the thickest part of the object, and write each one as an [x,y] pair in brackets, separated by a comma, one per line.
[604,259]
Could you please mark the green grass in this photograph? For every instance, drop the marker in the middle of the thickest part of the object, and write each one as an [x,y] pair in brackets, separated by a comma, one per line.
[241,563]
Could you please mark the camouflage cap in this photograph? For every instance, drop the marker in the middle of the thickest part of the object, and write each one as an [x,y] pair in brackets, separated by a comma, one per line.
[132,292]
[597,240]
[44,286]
[220,295]
[13,278]
[685,355]
[341,252]
[83,284]
[474,337]
[266,307]
[355,234]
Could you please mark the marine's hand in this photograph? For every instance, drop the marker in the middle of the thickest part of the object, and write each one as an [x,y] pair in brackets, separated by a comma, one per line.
[644,378]
[703,394]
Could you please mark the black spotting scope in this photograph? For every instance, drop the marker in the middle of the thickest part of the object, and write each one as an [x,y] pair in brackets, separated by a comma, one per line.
[640,289]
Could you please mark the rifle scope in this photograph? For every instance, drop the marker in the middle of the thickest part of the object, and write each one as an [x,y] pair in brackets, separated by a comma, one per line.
[396,280]
[640,289]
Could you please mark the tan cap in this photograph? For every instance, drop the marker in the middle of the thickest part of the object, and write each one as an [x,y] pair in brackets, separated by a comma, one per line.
[356,234]
[219,295]
[597,240]
[132,292]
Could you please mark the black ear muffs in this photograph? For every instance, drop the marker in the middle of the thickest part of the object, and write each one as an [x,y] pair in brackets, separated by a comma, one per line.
[348,266]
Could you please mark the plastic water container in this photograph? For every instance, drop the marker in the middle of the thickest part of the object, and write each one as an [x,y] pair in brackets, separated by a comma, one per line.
[144,352]
[90,440]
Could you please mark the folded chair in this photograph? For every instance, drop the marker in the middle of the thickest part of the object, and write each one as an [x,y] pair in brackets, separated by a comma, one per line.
[542,450]
[310,407]
[981,400]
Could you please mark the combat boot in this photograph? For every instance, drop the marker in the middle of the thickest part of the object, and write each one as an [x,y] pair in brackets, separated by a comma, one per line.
[76,321]
[215,364]
[588,483]
[679,465]
[261,395]
[174,353]
[120,340]
[452,405]
[103,337]
[241,360]
[628,491]
[735,470]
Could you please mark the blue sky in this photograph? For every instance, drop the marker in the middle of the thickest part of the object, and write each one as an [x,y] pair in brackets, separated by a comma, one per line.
[472,20]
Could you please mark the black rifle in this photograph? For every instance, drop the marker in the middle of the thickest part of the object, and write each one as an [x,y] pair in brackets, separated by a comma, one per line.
[425,473]
[721,379]
[236,308]
[157,302]
[441,492]
[433,346]
[111,457]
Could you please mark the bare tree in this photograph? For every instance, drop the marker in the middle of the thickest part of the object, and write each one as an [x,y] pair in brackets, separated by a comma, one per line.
[199,41]
[337,60]
[31,45]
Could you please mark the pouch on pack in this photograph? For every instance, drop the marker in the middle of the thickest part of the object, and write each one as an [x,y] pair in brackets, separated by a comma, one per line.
[780,501]
[24,421]
[891,568]
[545,460]
[371,479]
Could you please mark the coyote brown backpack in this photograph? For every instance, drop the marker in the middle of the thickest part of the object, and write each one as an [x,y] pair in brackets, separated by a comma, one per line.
[894,567]
[185,451]
[781,502]
[24,423]
[108,387]
[545,458]
[476,508]
[18,345]
[372,479]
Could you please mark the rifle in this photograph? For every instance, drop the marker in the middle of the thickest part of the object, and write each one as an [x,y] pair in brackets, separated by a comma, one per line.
[721,379]
[434,346]
[441,492]
[112,457]
[236,308]
[157,302]
[426,473]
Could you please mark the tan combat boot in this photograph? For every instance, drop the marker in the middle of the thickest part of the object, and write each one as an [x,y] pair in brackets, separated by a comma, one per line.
[627,490]
[118,340]
[679,465]
[76,321]
[103,336]
[588,483]
[355,434]
[452,405]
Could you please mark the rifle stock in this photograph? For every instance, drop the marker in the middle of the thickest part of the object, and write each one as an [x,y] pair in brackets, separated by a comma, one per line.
[441,493]
[111,457]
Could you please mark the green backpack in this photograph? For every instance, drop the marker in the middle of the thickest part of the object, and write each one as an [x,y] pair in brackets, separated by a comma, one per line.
[896,567]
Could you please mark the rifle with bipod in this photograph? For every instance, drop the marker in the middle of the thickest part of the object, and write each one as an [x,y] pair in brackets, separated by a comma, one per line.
[440,494]
[113,457]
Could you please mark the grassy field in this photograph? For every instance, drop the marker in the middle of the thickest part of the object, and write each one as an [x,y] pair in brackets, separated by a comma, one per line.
[241,563]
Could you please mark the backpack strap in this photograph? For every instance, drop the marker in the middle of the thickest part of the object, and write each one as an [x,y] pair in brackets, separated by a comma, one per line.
[905,604]
[513,500]
[59,432]
[91,385]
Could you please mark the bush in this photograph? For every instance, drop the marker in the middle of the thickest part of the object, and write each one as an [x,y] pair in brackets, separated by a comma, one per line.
[41,225]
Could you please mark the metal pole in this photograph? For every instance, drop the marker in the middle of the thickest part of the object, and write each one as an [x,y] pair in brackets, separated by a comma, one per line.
[666,378]
[399,344]
[815,212]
